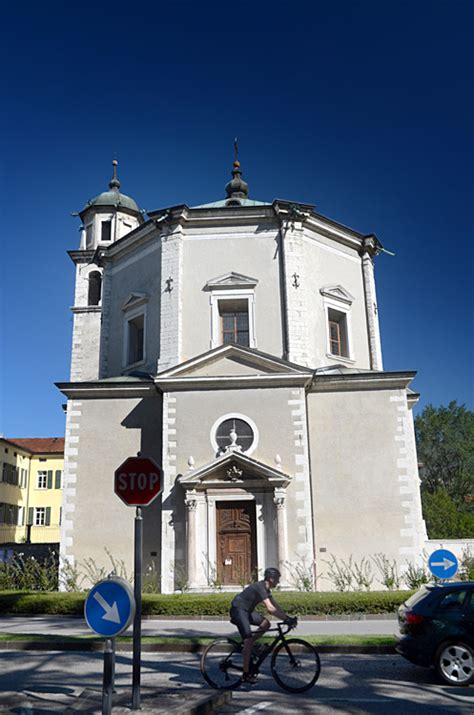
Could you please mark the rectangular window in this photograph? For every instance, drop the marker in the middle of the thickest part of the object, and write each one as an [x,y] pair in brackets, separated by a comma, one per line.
[106,232]
[337,323]
[136,334]
[42,482]
[234,317]
[40,516]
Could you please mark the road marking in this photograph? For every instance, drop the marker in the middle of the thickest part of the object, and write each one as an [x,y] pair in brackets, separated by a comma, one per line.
[260,706]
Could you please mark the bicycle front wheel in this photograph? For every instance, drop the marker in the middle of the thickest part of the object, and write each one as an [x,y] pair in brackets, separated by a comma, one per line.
[222,664]
[295,665]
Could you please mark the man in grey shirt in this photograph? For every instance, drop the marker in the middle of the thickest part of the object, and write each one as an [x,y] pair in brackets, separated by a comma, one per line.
[243,614]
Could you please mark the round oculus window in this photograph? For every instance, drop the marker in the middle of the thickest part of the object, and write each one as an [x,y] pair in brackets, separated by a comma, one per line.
[234,431]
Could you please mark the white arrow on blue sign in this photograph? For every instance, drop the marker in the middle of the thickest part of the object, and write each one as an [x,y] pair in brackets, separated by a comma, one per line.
[110,607]
[443,563]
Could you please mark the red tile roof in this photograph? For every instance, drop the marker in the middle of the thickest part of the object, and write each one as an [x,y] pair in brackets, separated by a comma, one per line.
[39,445]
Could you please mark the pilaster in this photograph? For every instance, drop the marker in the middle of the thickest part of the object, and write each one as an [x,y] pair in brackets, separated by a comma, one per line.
[171,300]
[375,347]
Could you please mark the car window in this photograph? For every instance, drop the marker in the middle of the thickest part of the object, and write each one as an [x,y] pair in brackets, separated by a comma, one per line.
[418,596]
[470,603]
[452,601]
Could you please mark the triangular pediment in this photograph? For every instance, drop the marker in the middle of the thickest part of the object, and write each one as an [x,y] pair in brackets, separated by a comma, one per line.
[134,300]
[234,361]
[231,280]
[234,469]
[337,292]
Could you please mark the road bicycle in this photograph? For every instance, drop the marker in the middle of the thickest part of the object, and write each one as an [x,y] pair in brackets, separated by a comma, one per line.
[295,664]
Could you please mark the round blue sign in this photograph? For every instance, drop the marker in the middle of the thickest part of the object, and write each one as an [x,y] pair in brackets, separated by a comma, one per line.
[110,607]
[443,563]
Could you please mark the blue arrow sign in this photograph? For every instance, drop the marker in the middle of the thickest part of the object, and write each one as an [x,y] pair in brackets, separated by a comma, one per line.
[110,607]
[443,563]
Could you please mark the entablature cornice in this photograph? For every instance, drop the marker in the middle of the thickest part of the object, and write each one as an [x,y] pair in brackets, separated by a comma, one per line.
[79,256]
[362,381]
[106,390]
[249,382]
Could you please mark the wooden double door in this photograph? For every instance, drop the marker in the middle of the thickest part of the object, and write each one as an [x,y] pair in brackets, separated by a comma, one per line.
[236,542]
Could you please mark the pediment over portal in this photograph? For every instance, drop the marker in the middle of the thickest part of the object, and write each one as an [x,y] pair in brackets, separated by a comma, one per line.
[235,361]
[234,470]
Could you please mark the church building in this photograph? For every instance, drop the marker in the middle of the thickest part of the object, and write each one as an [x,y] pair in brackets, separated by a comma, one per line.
[237,344]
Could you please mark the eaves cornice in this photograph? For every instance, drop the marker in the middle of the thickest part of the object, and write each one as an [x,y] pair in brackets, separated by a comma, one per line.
[78,256]
[172,384]
[362,381]
[99,389]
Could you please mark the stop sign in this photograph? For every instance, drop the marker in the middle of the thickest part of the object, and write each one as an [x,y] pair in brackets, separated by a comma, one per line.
[138,481]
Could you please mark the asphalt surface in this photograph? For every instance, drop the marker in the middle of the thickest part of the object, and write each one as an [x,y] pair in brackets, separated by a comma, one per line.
[41,683]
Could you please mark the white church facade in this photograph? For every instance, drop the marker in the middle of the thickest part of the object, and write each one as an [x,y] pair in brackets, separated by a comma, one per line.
[237,344]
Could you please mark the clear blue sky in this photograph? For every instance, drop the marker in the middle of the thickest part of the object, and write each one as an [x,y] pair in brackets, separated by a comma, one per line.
[364,108]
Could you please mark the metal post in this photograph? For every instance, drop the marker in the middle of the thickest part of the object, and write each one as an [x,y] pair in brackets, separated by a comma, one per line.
[107,685]
[137,623]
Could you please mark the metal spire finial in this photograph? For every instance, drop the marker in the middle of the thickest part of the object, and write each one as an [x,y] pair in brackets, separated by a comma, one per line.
[114,183]
[237,188]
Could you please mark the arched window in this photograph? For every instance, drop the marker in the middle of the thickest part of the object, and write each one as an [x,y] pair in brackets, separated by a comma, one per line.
[95,285]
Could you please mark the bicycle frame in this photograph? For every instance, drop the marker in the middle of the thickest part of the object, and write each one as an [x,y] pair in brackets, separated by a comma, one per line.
[269,647]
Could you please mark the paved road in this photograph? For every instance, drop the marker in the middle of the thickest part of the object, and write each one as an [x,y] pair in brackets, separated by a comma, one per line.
[150,627]
[348,684]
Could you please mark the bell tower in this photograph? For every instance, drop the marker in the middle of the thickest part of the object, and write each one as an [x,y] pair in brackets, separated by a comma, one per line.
[105,219]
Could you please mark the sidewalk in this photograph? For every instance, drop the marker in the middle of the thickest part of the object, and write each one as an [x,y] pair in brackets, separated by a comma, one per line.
[195,627]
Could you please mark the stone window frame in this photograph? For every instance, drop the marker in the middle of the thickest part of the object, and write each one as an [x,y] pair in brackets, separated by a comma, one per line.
[235,416]
[338,299]
[134,306]
[231,294]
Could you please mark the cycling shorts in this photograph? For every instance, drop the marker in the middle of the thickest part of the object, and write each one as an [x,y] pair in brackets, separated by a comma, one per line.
[241,618]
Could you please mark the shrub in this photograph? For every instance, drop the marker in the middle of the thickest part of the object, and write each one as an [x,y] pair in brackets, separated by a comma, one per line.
[388,570]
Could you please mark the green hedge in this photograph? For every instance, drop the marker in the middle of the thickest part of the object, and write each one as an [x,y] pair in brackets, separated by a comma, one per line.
[212,604]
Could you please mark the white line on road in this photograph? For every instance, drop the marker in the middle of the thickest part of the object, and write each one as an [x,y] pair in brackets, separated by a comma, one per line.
[260,706]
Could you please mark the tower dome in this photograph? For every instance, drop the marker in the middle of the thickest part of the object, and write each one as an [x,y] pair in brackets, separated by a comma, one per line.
[237,188]
[113,197]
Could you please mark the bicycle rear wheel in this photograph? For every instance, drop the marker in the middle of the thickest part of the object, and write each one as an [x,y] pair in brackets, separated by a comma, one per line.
[295,665]
[222,664]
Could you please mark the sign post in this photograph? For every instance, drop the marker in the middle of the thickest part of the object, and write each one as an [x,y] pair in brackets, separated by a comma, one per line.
[137,483]
[109,609]
[443,563]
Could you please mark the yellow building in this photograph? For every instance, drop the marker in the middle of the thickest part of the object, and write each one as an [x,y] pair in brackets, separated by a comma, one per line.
[31,480]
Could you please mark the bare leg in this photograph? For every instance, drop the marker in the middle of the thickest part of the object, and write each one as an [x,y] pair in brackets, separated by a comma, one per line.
[248,643]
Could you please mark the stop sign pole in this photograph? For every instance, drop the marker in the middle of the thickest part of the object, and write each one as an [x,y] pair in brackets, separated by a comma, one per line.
[138,483]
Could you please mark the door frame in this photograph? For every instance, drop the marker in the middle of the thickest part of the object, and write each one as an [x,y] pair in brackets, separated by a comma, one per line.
[252,532]
[224,495]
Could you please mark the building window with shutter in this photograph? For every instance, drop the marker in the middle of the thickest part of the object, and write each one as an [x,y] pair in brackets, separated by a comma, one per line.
[42,480]
[234,318]
[136,339]
[58,479]
[40,516]
[338,342]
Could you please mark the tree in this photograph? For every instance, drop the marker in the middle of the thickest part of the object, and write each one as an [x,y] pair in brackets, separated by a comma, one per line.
[445,442]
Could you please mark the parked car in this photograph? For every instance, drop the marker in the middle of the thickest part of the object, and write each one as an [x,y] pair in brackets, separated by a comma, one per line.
[437,629]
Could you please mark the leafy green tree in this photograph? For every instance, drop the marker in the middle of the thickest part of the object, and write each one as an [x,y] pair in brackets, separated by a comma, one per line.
[445,442]
[444,518]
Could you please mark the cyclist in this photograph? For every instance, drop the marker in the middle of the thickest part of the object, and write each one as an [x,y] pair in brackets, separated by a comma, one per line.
[243,614]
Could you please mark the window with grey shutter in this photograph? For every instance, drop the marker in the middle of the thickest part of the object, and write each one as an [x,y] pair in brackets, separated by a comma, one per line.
[48,516]
[57,479]
[50,478]
[30,516]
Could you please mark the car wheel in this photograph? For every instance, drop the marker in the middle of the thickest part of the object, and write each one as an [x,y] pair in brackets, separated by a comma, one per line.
[455,663]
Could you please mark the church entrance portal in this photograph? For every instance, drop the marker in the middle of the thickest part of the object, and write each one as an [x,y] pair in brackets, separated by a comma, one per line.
[236,542]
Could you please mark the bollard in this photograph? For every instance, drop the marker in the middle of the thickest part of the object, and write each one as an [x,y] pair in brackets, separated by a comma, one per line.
[108,683]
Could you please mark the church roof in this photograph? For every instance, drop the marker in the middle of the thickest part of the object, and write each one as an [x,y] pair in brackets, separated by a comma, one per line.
[224,202]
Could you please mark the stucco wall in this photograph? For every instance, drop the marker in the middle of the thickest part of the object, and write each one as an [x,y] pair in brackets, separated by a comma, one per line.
[365,486]
[108,431]
[252,253]
[139,272]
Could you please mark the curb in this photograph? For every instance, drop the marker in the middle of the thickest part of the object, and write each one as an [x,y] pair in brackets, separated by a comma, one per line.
[98,646]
